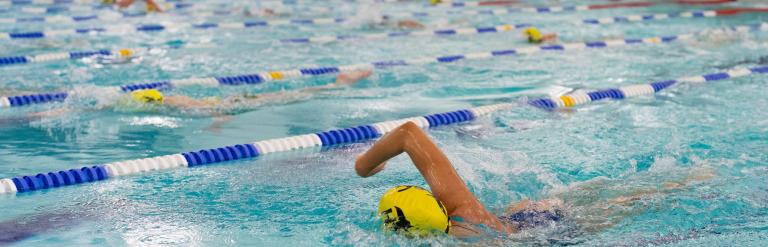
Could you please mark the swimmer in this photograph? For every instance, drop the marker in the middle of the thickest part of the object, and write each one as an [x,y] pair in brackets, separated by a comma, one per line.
[535,36]
[451,207]
[152,6]
[218,108]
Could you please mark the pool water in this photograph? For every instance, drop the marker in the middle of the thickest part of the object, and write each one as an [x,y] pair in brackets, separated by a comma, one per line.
[685,167]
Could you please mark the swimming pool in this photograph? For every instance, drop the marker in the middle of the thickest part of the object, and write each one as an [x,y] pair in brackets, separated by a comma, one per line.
[583,156]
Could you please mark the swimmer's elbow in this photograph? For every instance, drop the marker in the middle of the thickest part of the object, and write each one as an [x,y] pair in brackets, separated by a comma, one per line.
[360,168]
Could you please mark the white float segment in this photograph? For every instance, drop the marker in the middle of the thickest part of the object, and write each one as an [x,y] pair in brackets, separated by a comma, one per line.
[7,186]
[693,79]
[4,102]
[739,72]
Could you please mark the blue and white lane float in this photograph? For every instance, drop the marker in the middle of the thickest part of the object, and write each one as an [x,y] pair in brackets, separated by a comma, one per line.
[329,138]
[45,2]
[315,21]
[106,17]
[496,29]
[58,56]
[506,11]
[128,28]
[86,8]
[73,19]
[420,33]
[251,79]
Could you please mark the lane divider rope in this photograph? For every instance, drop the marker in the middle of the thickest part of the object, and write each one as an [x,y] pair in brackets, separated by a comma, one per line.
[421,33]
[57,56]
[511,27]
[329,138]
[251,79]
[539,9]
[128,28]
[264,23]
[85,8]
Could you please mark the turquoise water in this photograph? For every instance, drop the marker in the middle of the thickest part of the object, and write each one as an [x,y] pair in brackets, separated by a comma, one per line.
[711,139]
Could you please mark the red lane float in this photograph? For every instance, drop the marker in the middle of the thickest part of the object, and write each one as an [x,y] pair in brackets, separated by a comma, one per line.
[498,3]
[703,2]
[621,5]
[737,11]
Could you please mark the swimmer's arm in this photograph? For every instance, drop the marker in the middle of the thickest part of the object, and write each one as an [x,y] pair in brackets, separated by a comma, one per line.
[124,3]
[218,121]
[436,169]
[152,6]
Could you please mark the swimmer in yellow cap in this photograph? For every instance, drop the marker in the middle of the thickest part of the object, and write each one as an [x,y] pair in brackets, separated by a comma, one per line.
[220,108]
[535,36]
[183,102]
[451,208]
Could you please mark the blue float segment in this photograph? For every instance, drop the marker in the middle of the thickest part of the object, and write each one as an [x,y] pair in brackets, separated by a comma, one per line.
[218,155]
[716,76]
[348,135]
[620,19]
[88,30]
[31,35]
[486,30]
[85,18]
[503,52]
[151,85]
[296,40]
[150,28]
[598,44]
[239,80]
[552,47]
[591,21]
[759,69]
[445,32]
[698,14]
[661,85]
[319,71]
[449,118]
[82,54]
[633,41]
[30,19]
[13,60]
[60,178]
[385,64]
[543,103]
[607,93]
[397,34]
[543,9]
[36,98]
[205,25]
[668,38]
[302,21]
[448,59]
[255,24]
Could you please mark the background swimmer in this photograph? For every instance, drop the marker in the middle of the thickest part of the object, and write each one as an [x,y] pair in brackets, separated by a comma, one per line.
[535,36]
[219,108]
[468,216]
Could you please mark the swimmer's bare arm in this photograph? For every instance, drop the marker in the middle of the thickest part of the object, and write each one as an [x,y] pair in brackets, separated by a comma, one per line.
[436,169]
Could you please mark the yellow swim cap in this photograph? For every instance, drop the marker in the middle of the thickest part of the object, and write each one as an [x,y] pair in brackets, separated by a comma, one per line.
[533,34]
[413,210]
[435,1]
[147,96]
